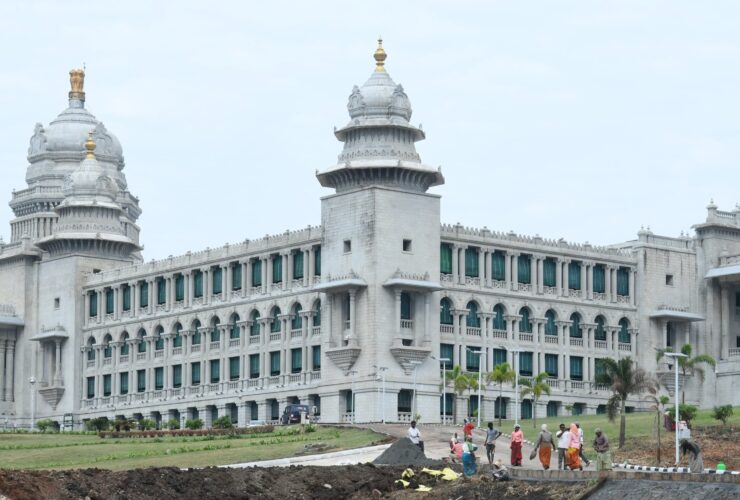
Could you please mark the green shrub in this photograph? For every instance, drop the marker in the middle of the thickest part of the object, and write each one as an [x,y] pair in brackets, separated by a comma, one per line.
[687,413]
[47,424]
[223,423]
[146,424]
[97,424]
[194,423]
[173,424]
[309,428]
[722,413]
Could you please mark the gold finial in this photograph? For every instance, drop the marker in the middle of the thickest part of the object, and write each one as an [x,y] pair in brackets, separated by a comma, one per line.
[77,83]
[90,146]
[380,56]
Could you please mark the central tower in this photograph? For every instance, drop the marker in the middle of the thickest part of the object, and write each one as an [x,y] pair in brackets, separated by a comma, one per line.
[380,254]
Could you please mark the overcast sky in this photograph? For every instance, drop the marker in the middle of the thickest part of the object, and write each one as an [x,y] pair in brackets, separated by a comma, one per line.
[580,119]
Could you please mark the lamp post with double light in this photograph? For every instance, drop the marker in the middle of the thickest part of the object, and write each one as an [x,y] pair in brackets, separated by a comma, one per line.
[444,362]
[515,353]
[676,356]
[416,364]
[480,379]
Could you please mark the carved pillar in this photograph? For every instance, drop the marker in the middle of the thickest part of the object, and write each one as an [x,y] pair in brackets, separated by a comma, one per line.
[481,267]
[541,274]
[590,284]
[268,272]
[633,277]
[397,316]
[352,317]
[3,377]
[584,279]
[311,266]
[559,278]
[287,271]
[507,268]
[455,264]
[58,363]
[725,324]
[514,270]
[427,319]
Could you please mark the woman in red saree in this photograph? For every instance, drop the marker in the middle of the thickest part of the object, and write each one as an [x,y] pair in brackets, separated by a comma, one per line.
[517,438]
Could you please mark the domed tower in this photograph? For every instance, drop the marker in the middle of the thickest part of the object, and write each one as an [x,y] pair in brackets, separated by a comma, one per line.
[380,251]
[54,153]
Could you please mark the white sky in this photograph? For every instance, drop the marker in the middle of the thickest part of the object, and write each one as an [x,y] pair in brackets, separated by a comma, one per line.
[575,119]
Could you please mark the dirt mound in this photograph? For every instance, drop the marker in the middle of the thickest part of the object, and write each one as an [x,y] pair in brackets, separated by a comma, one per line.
[404,452]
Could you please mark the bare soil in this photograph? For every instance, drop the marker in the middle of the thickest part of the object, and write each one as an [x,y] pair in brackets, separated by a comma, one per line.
[356,482]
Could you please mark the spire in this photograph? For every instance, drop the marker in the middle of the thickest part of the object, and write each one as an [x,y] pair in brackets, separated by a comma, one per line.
[77,84]
[380,56]
[90,146]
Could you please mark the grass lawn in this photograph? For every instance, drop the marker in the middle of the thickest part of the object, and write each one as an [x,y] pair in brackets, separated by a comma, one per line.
[65,451]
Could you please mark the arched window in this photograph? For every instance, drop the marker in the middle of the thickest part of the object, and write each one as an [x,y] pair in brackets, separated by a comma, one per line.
[215,332]
[159,340]
[525,324]
[499,323]
[141,346]
[91,349]
[575,327]
[196,332]
[317,313]
[445,311]
[624,334]
[296,322]
[124,344]
[177,340]
[550,327]
[254,327]
[600,332]
[275,325]
[108,349]
[405,305]
[234,327]
[473,320]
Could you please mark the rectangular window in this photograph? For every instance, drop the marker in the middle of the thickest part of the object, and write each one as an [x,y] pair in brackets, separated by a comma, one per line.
[445,258]
[144,294]
[140,380]
[93,304]
[499,357]
[623,282]
[236,276]
[254,366]
[277,268]
[551,365]
[574,275]
[525,364]
[177,376]
[499,266]
[234,368]
[215,370]
[123,379]
[197,283]
[347,246]
[404,401]
[217,274]
[316,357]
[90,387]
[126,290]
[107,382]
[576,368]
[599,278]
[447,351]
[317,261]
[471,262]
[669,279]
[257,272]
[109,301]
[195,373]
[549,272]
[296,360]
[275,363]
[472,359]
[599,367]
[179,287]
[406,245]
[525,269]
[298,265]
[161,291]
[552,408]
[405,305]
[158,378]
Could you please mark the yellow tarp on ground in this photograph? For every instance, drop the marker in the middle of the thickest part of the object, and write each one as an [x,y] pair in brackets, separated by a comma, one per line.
[447,474]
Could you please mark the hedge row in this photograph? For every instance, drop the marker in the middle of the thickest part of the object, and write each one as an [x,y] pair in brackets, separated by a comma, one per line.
[263,429]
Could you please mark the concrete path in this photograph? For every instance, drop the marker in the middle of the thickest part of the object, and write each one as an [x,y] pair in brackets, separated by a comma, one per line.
[344,457]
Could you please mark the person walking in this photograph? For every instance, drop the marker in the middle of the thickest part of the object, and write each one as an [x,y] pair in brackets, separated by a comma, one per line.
[563,437]
[545,444]
[603,456]
[468,457]
[456,452]
[415,436]
[580,452]
[491,435]
[517,438]
[574,448]
[468,428]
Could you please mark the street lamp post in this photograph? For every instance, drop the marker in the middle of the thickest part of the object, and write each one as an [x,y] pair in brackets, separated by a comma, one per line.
[380,376]
[352,390]
[444,362]
[32,381]
[675,356]
[515,352]
[480,380]
[414,407]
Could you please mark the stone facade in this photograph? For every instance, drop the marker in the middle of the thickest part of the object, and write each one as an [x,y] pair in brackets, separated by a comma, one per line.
[352,317]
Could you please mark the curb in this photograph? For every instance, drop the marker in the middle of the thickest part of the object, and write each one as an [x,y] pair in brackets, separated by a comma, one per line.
[682,470]
[307,458]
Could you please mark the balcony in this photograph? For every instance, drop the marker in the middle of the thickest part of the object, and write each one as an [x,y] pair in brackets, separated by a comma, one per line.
[91,363]
[253,383]
[214,346]
[526,337]
[499,284]
[524,287]
[600,296]
[254,339]
[549,290]
[472,280]
[574,294]
[140,356]
[177,351]
[447,329]
[159,353]
[107,361]
[195,348]
[275,337]
[296,333]
[623,299]
[734,351]
[576,341]
[473,331]
[123,359]
[625,347]
[577,385]
[316,330]
[552,339]
[407,324]
[235,342]
[232,385]
[499,334]
[294,378]
[315,375]
[600,344]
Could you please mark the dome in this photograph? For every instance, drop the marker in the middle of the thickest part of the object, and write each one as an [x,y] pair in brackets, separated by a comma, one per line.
[89,181]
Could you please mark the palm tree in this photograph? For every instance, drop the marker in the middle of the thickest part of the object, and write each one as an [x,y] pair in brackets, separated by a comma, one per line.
[460,381]
[500,374]
[658,406]
[688,364]
[623,379]
[536,386]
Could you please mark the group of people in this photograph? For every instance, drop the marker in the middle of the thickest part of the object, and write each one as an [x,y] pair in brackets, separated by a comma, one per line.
[463,450]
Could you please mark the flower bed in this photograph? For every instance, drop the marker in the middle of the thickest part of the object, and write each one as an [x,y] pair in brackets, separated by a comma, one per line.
[263,429]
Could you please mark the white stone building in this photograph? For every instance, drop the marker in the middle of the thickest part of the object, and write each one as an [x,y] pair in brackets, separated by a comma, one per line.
[351,317]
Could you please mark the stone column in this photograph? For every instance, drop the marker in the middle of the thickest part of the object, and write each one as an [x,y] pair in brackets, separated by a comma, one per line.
[3,377]
[427,319]
[228,282]
[244,268]
[10,371]
[116,304]
[306,260]
[327,318]
[590,284]
[455,264]
[287,271]
[541,274]
[725,324]
[311,266]
[559,278]
[514,270]
[151,293]
[268,281]
[507,268]
[352,316]
[397,317]
[58,363]
[534,266]
[207,285]
[481,267]
[613,291]
[86,316]
[99,298]
[135,299]
[248,277]
[633,277]
[266,273]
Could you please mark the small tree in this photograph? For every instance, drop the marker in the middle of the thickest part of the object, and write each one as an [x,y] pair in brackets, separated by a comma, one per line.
[194,423]
[500,374]
[146,424]
[223,423]
[536,387]
[460,383]
[722,413]
[686,412]
[624,380]
[173,424]
[689,365]
[658,406]
[46,424]
[97,424]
